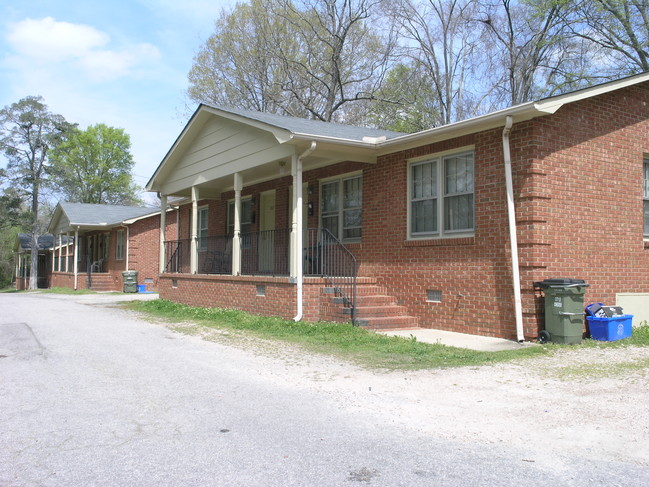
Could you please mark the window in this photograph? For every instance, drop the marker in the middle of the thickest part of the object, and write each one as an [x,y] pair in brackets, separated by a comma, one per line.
[341,203]
[246,216]
[645,195]
[441,190]
[119,246]
[202,228]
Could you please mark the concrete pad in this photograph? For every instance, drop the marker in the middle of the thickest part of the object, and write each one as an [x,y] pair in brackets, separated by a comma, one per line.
[461,340]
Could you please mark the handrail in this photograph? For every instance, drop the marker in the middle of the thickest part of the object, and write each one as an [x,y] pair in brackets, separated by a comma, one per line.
[327,257]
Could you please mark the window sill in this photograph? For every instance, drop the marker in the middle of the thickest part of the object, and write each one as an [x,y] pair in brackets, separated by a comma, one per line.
[438,242]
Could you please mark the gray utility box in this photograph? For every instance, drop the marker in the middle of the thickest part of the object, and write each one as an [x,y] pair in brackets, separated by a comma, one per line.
[564,310]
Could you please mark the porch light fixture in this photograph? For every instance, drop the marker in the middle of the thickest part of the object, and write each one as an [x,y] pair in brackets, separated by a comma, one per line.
[282,167]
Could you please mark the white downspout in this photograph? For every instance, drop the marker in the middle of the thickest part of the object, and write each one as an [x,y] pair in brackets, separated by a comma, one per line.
[297,202]
[163,233]
[127,246]
[513,241]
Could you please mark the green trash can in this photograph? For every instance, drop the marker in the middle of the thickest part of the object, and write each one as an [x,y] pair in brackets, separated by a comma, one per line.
[130,281]
[564,310]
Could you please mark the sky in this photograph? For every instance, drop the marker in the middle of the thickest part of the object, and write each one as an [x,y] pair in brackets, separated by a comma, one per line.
[123,63]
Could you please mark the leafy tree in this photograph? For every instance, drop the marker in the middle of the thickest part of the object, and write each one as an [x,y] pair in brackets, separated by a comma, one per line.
[237,65]
[94,166]
[14,218]
[28,131]
[406,101]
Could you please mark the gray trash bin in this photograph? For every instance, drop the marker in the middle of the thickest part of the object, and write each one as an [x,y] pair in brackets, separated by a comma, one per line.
[564,310]
[130,281]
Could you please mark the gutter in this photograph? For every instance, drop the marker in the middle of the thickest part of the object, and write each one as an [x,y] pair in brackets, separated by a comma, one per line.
[513,241]
[299,244]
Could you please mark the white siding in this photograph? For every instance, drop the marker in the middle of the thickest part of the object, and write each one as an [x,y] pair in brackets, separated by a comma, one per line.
[222,148]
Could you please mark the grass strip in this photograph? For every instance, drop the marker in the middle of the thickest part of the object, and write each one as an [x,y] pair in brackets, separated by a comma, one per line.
[342,340]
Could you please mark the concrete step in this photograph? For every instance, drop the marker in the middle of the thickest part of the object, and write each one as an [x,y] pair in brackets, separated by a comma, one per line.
[387,322]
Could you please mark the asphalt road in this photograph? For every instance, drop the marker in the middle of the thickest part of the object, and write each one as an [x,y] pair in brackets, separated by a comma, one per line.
[92,395]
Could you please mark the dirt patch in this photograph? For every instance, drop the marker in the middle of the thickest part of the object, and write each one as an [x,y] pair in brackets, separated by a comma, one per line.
[587,402]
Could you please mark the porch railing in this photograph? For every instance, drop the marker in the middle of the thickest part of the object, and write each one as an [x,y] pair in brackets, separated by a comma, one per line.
[267,253]
[177,256]
[327,257]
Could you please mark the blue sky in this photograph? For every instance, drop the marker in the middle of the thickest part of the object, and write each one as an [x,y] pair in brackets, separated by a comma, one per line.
[119,62]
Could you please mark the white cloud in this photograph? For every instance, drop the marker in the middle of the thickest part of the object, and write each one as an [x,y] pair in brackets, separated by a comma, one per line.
[48,42]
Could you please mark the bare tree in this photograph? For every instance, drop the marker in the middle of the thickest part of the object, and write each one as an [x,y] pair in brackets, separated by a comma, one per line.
[530,46]
[439,39]
[312,58]
[620,28]
[343,58]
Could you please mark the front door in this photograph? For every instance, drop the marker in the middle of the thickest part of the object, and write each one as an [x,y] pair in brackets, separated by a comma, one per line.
[267,232]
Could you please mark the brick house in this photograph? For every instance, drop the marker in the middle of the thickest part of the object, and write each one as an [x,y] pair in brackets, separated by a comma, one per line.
[446,228]
[111,239]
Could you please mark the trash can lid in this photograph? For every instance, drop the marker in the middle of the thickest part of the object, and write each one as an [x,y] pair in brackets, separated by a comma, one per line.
[561,282]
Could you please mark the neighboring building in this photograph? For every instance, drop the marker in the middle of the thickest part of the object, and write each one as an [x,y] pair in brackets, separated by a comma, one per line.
[440,237]
[94,244]
[23,252]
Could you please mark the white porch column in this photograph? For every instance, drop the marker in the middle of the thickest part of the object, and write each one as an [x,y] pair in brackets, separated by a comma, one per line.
[236,237]
[57,255]
[294,252]
[76,258]
[193,258]
[67,252]
[163,227]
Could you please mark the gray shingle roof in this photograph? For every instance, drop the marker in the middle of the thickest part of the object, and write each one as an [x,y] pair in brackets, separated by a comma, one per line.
[91,214]
[44,241]
[310,127]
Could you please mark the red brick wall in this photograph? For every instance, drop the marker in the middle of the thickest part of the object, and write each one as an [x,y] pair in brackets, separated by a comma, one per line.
[578,197]
[583,200]
[143,254]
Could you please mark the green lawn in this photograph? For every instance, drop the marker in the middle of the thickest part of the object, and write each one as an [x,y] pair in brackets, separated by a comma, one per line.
[345,341]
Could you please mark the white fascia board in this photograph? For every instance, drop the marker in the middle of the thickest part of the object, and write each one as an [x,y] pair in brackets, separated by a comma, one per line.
[489,121]
[138,218]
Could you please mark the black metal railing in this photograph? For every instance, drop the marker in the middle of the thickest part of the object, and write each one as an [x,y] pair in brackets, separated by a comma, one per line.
[177,253]
[325,256]
[266,253]
[215,255]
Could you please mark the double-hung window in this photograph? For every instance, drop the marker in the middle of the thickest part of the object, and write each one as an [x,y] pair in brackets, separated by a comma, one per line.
[645,196]
[246,216]
[441,196]
[119,245]
[202,228]
[341,203]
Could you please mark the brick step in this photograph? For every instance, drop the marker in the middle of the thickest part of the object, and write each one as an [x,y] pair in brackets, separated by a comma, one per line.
[372,311]
[375,300]
[387,322]
[103,283]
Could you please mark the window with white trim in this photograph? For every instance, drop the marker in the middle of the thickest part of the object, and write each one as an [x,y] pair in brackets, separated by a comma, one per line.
[246,216]
[341,207]
[119,245]
[645,196]
[441,190]
[202,228]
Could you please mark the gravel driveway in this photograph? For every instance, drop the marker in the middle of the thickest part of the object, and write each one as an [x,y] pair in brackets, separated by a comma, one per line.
[93,395]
